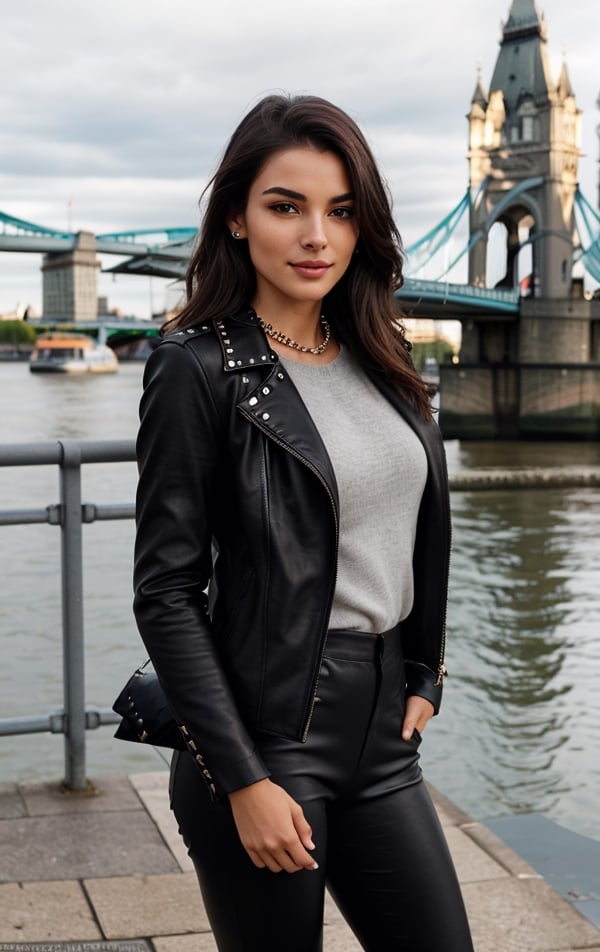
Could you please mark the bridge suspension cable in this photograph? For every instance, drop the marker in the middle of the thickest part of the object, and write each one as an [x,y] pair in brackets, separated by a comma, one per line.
[421,252]
[590,256]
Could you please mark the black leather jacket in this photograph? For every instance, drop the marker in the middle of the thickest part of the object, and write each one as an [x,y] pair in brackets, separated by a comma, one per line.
[237,493]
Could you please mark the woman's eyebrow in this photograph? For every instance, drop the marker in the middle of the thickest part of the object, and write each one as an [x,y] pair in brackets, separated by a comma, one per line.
[279,190]
[299,197]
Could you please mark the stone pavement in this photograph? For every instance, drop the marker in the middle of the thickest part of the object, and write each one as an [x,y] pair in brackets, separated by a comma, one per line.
[108,872]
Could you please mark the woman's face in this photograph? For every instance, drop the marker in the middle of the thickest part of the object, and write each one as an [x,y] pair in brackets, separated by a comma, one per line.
[300,225]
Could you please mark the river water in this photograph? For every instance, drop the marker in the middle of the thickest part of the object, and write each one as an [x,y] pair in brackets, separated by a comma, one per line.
[520,725]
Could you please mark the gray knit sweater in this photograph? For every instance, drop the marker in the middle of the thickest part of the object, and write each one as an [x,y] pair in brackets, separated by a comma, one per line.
[381,469]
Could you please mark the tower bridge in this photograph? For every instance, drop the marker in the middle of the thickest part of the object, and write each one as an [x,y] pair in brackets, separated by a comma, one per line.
[529,363]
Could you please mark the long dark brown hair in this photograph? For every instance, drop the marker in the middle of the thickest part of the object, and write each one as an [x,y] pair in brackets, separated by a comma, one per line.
[361,307]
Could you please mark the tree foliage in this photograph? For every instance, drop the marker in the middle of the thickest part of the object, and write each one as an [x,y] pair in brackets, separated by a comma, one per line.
[16,332]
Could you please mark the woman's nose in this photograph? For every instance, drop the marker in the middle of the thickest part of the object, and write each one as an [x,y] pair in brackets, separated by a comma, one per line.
[314,234]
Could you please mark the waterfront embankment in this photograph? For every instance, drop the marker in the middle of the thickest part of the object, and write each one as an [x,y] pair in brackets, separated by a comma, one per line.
[109,872]
[538,477]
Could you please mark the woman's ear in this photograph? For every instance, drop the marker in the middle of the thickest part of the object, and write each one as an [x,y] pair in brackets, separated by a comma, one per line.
[236,225]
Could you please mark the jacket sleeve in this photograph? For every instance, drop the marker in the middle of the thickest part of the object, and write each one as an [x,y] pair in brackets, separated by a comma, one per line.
[178,450]
[424,682]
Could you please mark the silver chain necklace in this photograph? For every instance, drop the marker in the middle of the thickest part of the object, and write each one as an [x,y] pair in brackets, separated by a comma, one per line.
[289,342]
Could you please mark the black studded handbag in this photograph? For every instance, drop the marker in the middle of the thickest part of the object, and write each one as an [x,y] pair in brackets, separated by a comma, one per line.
[147,717]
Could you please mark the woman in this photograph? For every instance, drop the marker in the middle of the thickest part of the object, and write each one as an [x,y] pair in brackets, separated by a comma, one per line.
[290,467]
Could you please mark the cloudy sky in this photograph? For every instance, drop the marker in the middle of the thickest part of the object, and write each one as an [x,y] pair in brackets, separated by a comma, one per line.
[113,114]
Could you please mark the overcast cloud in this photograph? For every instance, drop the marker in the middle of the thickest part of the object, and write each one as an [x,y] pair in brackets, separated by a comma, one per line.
[124,107]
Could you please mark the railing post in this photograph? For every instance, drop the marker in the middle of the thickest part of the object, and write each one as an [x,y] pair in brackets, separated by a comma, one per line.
[72,615]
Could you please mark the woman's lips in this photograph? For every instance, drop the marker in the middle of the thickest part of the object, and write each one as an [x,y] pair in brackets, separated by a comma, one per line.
[310,269]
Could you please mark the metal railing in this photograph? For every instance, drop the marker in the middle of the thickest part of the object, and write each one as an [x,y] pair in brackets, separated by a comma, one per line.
[70,514]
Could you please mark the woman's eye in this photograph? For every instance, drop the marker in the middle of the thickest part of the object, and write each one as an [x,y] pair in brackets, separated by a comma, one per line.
[344,211]
[284,208]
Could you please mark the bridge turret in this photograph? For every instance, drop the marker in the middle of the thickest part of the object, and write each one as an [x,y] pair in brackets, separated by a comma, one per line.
[477,132]
[526,134]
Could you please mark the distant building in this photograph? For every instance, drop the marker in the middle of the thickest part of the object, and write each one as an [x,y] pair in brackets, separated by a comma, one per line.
[70,282]
[423,330]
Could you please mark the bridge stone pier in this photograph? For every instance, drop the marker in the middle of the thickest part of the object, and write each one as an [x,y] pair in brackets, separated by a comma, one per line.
[533,374]
[70,282]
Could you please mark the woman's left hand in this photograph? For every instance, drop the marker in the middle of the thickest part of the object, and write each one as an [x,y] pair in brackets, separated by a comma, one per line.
[417,714]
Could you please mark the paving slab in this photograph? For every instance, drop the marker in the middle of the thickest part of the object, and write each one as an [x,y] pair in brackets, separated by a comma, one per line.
[141,906]
[336,938]
[339,938]
[472,863]
[331,914]
[106,794]
[153,791]
[43,912]
[151,780]
[73,846]
[337,934]
[134,946]
[12,804]
[198,942]
[156,802]
[524,915]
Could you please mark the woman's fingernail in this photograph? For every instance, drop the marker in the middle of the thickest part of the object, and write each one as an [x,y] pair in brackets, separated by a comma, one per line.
[315,866]
[311,845]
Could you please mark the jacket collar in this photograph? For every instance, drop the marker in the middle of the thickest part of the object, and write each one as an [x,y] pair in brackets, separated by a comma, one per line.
[274,405]
[243,344]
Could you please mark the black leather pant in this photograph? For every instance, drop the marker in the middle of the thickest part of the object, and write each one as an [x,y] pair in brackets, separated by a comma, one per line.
[379,845]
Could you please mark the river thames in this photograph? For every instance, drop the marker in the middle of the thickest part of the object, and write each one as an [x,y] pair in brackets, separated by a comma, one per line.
[519,730]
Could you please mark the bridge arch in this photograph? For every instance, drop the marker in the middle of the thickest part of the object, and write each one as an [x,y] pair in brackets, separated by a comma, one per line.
[515,229]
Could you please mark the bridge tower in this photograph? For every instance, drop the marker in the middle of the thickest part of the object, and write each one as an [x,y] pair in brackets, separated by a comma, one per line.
[526,133]
[70,282]
[534,373]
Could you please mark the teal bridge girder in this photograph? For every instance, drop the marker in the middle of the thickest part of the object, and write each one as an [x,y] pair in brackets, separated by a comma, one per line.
[169,251]
[458,300]
[19,235]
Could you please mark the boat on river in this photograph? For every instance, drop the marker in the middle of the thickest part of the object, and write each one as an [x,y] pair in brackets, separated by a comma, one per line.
[65,353]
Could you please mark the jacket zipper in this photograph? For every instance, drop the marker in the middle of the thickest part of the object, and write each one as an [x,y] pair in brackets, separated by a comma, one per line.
[441,671]
[289,449]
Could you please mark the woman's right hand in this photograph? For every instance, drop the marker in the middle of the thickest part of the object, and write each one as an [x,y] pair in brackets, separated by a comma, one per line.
[272,827]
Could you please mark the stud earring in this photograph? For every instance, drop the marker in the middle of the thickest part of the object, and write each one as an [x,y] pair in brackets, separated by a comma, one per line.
[235,234]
